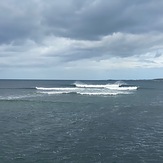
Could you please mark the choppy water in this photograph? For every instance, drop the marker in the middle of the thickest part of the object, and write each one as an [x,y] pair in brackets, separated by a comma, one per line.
[81,121]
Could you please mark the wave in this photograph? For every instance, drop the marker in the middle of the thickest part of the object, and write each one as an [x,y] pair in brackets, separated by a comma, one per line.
[18,97]
[57,92]
[14,88]
[82,85]
[89,89]
[102,93]
[116,86]
[56,89]
[83,93]
[125,88]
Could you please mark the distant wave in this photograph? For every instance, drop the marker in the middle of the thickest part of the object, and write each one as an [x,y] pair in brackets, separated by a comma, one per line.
[56,89]
[115,86]
[102,93]
[82,93]
[89,89]
[19,88]
[18,97]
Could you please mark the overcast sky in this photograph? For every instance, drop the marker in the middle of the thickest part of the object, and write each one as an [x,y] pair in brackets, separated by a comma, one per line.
[81,39]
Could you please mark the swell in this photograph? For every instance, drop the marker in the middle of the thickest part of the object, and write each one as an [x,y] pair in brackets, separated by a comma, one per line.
[12,88]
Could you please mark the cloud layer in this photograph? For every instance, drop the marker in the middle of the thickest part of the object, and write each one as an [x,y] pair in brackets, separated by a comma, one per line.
[88,35]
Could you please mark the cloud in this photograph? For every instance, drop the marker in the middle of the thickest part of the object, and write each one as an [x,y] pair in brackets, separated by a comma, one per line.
[75,35]
[97,18]
[57,51]
[115,45]
[19,20]
[83,20]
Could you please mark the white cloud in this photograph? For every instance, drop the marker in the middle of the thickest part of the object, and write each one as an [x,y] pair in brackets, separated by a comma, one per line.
[119,50]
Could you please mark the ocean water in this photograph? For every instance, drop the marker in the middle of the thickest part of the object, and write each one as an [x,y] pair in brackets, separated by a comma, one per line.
[52,121]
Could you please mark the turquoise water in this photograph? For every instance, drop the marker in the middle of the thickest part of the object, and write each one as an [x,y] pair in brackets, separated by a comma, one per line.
[81,121]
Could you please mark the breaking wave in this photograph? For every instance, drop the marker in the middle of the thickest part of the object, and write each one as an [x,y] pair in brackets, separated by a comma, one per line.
[56,89]
[115,86]
[90,89]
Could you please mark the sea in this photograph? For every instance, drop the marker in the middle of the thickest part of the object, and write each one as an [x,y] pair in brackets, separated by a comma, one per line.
[81,121]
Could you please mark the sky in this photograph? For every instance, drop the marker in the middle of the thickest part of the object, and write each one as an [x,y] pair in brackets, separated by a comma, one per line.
[81,39]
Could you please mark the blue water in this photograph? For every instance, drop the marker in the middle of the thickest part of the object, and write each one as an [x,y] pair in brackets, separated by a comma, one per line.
[81,121]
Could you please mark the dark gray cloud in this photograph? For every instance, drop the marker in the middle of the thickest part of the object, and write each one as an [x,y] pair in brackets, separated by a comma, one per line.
[18,20]
[87,19]
[93,19]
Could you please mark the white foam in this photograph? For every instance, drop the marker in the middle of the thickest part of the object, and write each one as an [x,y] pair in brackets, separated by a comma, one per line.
[98,93]
[54,92]
[89,86]
[90,89]
[82,85]
[82,93]
[56,89]
[115,86]
[17,97]
[86,92]
[123,88]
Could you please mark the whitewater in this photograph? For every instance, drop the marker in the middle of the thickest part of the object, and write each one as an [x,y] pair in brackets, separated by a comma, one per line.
[90,89]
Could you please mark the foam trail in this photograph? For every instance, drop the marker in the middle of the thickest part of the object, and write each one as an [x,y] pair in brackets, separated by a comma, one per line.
[98,93]
[54,92]
[17,97]
[55,89]
[82,93]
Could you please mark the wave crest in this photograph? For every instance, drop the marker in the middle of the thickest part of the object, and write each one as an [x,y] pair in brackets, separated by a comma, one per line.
[116,86]
[90,89]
